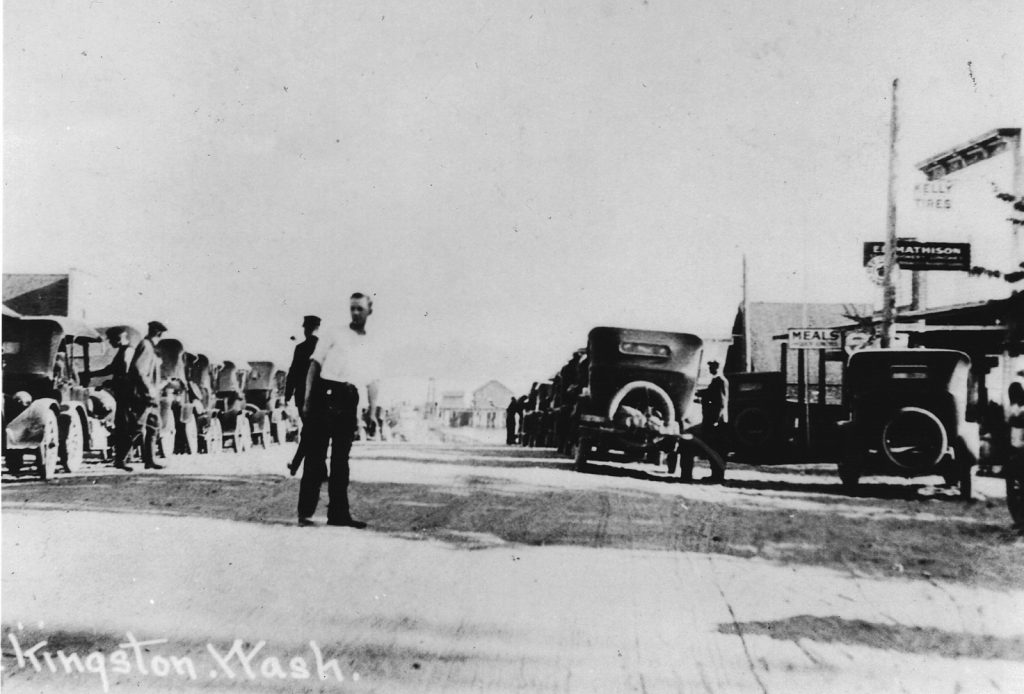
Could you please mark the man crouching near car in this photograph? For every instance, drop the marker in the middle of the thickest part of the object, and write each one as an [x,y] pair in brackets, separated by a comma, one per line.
[342,363]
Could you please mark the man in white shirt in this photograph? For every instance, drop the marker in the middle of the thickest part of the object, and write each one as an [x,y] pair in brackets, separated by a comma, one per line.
[342,364]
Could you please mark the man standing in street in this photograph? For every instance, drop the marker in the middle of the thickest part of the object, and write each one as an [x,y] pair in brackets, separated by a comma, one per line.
[714,401]
[295,385]
[510,421]
[144,375]
[341,364]
[120,387]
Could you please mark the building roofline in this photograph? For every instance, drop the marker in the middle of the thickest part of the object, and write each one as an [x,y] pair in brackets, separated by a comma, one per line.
[977,149]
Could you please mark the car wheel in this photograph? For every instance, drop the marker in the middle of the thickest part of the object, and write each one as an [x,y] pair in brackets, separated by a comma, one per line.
[49,446]
[150,441]
[191,437]
[214,436]
[581,450]
[243,435]
[966,474]
[72,442]
[1015,491]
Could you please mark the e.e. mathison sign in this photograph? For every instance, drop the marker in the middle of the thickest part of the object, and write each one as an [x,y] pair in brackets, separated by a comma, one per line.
[924,255]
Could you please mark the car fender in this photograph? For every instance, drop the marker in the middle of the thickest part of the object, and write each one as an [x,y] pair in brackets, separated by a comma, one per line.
[968,441]
[26,430]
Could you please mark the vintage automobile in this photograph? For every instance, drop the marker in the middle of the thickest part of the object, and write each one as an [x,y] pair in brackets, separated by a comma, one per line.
[154,440]
[758,427]
[48,414]
[640,385]
[264,398]
[907,416]
[537,415]
[179,428]
[230,406]
[1013,470]
[202,375]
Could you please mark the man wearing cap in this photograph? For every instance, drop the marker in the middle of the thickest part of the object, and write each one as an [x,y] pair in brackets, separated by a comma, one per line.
[120,387]
[144,375]
[343,364]
[295,385]
[713,404]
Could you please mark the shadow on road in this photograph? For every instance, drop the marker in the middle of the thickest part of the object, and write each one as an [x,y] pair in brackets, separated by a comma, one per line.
[865,490]
[891,637]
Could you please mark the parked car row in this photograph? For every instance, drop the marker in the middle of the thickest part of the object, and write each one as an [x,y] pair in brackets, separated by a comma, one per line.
[629,395]
[53,418]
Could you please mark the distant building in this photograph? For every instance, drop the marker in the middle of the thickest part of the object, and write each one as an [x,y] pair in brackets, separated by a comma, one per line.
[769,319]
[453,409]
[37,295]
[489,403]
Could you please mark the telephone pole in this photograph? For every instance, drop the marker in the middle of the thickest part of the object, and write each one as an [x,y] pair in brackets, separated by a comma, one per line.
[888,278]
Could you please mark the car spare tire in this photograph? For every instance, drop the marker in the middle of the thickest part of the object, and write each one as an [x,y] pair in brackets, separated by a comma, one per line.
[914,439]
[753,427]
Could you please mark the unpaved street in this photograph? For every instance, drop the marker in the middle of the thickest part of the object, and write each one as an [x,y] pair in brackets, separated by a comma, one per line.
[494,569]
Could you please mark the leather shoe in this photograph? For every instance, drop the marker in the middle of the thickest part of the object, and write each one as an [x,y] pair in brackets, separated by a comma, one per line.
[306,522]
[123,466]
[155,466]
[348,523]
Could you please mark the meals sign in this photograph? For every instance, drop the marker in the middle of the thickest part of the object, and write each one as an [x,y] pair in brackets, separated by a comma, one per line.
[924,255]
[815,338]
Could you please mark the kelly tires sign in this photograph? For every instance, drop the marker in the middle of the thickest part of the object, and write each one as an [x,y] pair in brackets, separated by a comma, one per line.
[923,255]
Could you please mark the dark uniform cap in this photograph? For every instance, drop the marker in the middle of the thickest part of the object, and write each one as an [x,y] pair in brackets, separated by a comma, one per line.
[311,321]
[113,333]
[156,325]
[713,362]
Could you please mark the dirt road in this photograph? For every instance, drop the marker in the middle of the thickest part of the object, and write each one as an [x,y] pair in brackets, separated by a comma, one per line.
[490,569]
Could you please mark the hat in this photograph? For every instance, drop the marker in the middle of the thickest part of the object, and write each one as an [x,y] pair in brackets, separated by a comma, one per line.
[113,333]
[311,321]
[713,362]
[156,326]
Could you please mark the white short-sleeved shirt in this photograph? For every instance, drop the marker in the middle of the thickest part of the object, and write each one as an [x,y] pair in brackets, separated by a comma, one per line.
[346,356]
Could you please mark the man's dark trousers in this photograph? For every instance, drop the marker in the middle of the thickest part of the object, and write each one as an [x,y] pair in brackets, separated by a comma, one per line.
[331,424]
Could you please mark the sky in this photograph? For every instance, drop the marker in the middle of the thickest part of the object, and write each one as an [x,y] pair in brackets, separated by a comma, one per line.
[501,177]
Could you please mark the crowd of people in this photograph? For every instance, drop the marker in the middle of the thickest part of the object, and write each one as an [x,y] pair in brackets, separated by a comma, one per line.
[134,382]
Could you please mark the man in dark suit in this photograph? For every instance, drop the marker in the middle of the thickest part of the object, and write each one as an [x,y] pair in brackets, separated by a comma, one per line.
[510,421]
[295,385]
[714,401]
[119,386]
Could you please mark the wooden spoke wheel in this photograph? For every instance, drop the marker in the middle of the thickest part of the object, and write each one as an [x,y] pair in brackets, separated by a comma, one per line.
[243,434]
[1014,473]
[72,442]
[214,436]
[49,446]
[190,436]
[581,453]
[150,440]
